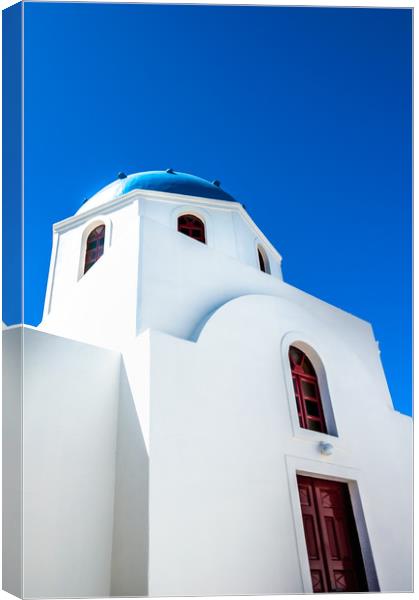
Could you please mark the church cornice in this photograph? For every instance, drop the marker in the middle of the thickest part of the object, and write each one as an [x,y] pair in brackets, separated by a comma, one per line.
[137,195]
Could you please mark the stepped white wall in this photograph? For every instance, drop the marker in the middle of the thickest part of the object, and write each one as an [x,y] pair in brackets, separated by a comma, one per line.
[76,517]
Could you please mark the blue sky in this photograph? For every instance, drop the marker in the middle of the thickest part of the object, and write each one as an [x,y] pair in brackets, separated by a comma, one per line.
[303,114]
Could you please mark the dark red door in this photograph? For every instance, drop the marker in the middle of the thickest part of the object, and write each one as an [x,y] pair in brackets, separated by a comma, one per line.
[332,541]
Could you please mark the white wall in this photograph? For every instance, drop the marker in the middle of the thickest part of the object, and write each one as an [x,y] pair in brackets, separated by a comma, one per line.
[225,449]
[217,512]
[247,242]
[100,306]
[183,281]
[12,460]
[84,500]
[131,531]
[70,425]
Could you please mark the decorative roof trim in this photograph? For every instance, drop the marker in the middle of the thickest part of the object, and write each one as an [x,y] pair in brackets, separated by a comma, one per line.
[107,207]
[133,195]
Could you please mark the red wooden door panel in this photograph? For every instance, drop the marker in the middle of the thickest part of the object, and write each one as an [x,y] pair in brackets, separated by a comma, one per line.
[332,542]
[313,540]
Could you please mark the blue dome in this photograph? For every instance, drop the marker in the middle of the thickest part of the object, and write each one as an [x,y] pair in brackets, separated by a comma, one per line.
[175,183]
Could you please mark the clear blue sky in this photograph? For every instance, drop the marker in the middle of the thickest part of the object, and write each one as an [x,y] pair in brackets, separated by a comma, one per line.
[303,114]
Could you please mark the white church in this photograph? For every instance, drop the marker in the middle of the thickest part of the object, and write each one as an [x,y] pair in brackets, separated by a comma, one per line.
[185,423]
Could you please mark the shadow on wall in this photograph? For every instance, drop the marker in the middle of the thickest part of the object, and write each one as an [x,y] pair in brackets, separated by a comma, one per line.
[130,536]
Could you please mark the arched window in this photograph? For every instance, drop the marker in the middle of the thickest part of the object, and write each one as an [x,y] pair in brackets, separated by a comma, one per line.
[192,226]
[94,246]
[263,261]
[306,390]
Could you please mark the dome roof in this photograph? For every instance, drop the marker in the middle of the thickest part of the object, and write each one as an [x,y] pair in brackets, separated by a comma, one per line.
[175,183]
[164,181]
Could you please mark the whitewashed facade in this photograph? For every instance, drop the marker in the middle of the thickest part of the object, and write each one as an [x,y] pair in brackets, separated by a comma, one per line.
[161,442]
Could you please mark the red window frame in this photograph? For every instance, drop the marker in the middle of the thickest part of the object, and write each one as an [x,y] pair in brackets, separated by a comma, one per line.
[95,245]
[192,227]
[307,392]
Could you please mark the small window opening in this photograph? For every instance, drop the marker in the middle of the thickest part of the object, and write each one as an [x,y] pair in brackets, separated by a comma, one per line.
[263,261]
[192,226]
[94,246]
[306,390]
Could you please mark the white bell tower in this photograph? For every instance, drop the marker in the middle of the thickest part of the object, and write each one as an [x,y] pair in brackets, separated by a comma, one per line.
[147,273]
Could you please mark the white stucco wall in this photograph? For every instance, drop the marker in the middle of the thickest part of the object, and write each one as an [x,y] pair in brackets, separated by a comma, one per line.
[131,531]
[172,470]
[75,505]
[12,573]
[69,444]
[225,448]
[182,282]
[84,307]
